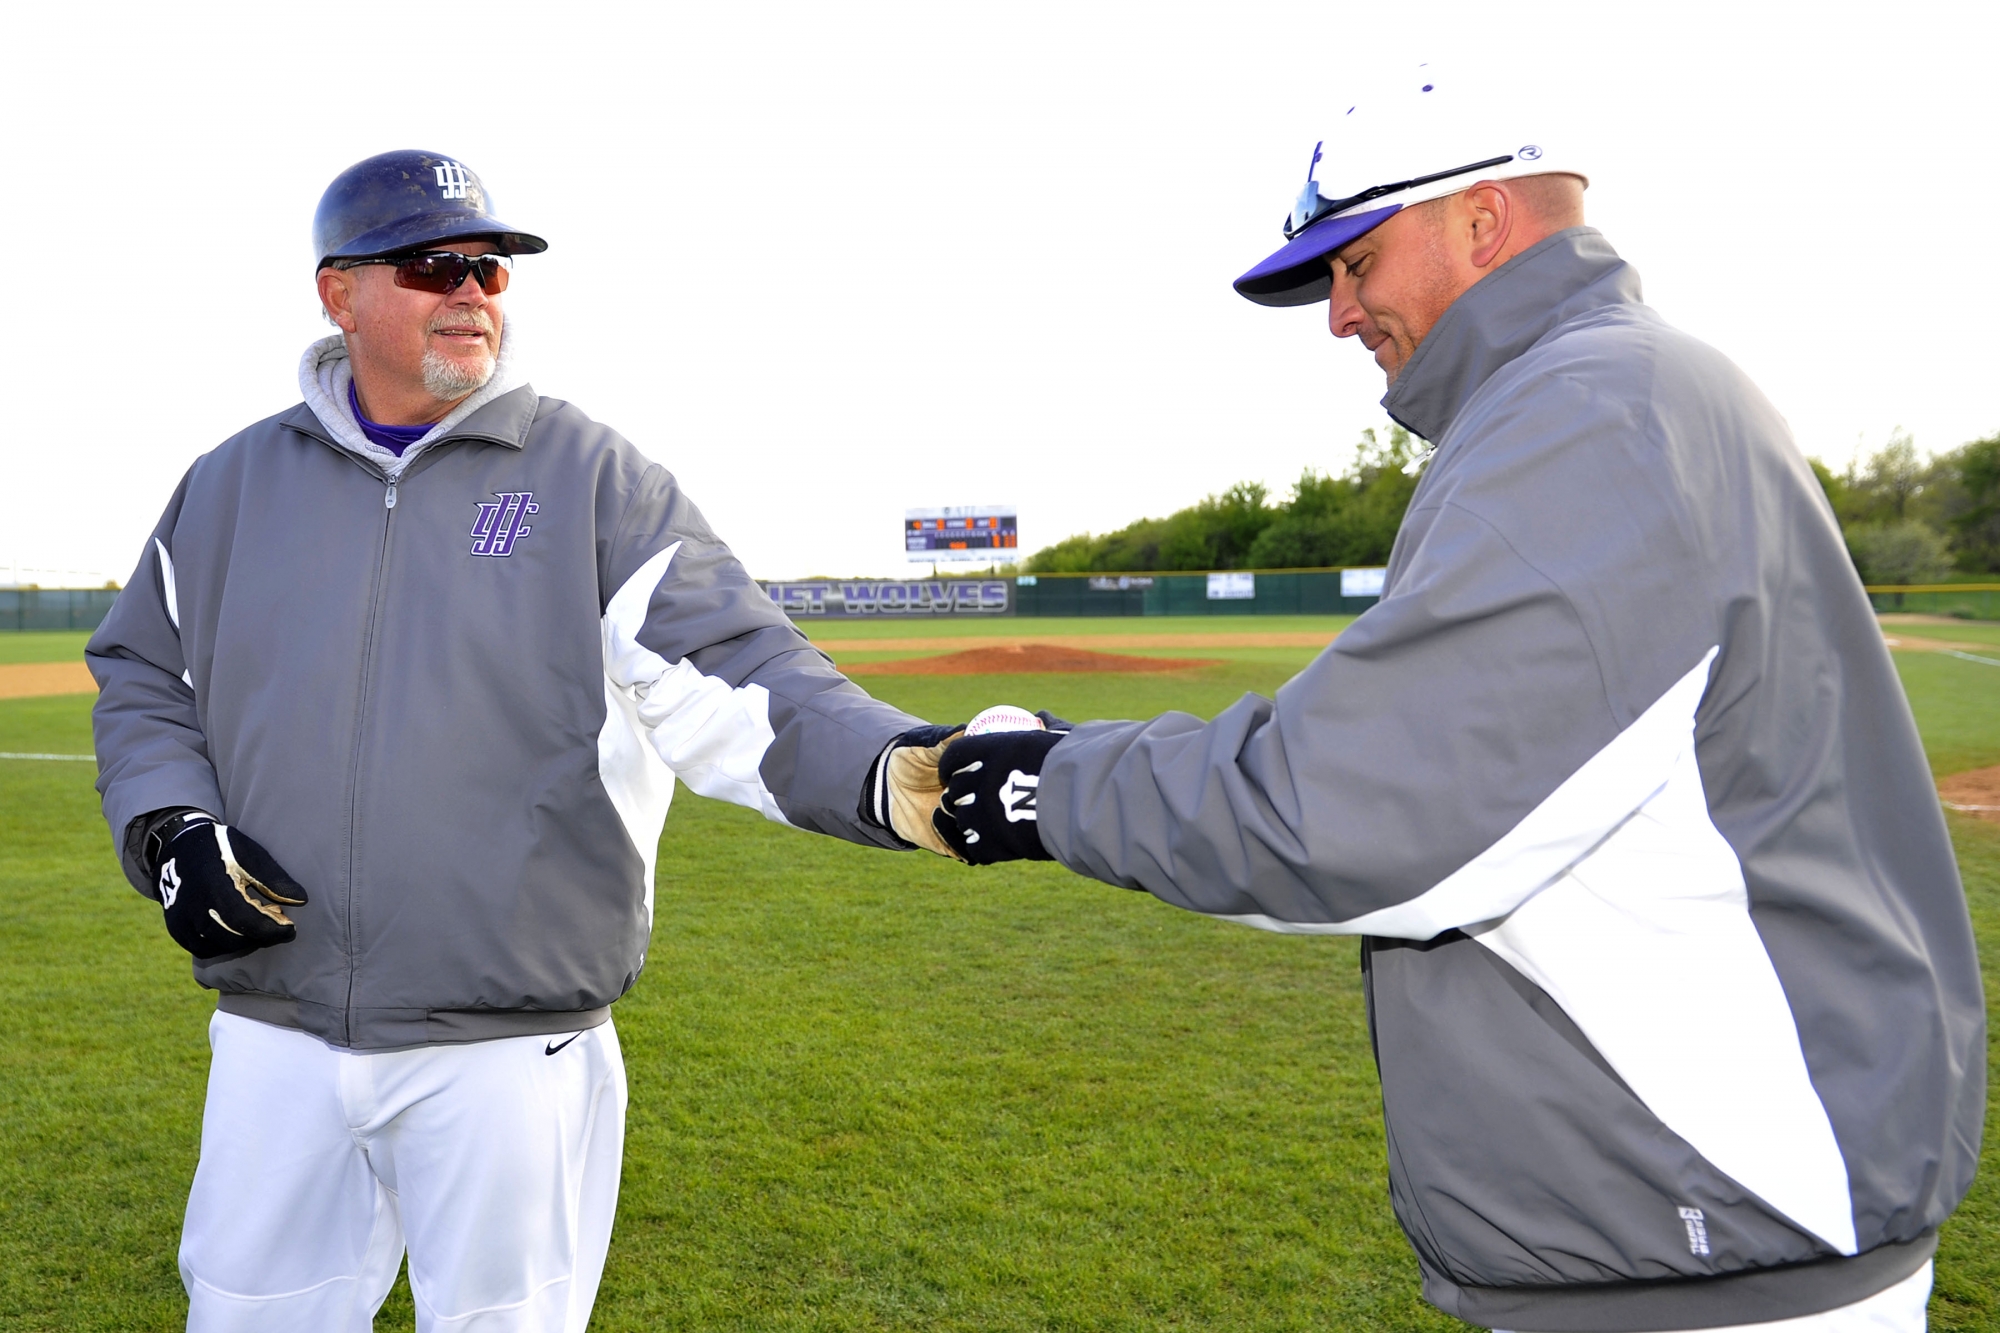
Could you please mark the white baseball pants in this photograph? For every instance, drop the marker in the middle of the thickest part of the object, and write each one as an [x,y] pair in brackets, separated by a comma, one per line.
[496,1162]
[1897,1309]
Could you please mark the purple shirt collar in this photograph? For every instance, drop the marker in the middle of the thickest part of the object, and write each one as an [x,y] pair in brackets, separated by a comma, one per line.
[393,438]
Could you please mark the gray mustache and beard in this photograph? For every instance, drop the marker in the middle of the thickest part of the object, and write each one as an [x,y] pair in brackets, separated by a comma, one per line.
[445,377]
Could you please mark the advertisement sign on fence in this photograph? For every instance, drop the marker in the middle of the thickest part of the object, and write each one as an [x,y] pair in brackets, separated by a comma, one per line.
[1361,582]
[867,597]
[1232,587]
[985,533]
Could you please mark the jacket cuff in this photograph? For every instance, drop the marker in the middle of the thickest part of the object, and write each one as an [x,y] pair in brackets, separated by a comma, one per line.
[136,853]
[873,809]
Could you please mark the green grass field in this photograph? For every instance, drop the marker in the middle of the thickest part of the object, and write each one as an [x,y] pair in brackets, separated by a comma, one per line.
[1984,632]
[1970,631]
[43,646]
[868,1091]
[848,640]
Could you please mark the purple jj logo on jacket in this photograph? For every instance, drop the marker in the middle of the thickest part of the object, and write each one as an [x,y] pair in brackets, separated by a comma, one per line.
[502,522]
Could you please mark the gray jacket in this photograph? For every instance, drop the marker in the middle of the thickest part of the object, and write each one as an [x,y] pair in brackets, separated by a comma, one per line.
[453,706]
[1670,976]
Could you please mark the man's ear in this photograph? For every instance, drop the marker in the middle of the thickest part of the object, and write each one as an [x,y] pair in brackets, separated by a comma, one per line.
[336,297]
[1490,213]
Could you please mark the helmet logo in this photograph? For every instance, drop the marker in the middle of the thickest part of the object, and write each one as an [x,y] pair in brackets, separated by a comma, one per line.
[1529,152]
[455,182]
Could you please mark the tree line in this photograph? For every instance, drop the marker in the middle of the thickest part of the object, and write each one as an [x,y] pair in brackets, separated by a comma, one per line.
[1350,519]
[1906,519]
[1909,519]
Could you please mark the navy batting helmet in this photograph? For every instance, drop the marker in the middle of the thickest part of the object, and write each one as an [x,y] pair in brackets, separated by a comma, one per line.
[406,199]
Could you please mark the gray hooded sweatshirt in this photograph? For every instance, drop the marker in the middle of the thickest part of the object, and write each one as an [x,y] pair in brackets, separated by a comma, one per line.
[450,693]
[1670,975]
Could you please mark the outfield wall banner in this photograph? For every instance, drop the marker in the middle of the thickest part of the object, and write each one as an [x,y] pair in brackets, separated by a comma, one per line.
[1361,582]
[839,599]
[1232,587]
[1244,592]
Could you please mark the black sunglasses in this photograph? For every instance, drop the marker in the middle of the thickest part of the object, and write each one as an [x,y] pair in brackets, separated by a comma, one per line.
[442,271]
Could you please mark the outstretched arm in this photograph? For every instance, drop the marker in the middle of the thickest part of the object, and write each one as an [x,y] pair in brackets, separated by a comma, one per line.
[1453,752]
[728,694]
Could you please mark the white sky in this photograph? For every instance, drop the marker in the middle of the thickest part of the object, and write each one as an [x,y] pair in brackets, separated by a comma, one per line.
[829,261]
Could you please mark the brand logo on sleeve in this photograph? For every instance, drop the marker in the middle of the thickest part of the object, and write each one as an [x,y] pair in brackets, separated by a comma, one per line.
[1697,1229]
[170,884]
[502,521]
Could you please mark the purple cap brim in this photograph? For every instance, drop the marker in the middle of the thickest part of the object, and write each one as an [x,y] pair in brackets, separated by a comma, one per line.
[1297,274]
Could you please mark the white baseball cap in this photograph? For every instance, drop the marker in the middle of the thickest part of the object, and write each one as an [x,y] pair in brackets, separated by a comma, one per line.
[1425,134]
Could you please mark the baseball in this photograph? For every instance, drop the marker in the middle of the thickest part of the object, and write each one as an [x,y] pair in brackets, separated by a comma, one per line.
[1003,717]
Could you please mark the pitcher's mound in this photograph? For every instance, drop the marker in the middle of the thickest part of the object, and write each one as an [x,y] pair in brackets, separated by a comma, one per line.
[1018,658]
[1976,793]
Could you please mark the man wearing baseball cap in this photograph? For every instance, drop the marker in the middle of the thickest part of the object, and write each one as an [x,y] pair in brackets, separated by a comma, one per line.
[1669,971]
[391,712]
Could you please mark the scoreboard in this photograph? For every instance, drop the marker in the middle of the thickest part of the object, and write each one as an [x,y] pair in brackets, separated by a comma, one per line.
[985,533]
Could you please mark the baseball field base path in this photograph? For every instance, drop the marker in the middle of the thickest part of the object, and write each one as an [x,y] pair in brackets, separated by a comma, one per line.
[25,680]
[28,680]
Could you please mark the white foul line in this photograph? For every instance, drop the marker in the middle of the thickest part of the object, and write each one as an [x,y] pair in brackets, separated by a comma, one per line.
[1972,657]
[80,758]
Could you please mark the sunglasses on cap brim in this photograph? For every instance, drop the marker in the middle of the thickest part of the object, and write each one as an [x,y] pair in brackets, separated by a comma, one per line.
[442,271]
[1311,207]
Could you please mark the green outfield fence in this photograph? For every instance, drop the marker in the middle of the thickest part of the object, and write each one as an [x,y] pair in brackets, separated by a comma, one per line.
[54,608]
[1317,592]
[1967,601]
[1278,592]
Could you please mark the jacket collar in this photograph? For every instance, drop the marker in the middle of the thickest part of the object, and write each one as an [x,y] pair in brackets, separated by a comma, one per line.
[325,374]
[504,421]
[1500,317]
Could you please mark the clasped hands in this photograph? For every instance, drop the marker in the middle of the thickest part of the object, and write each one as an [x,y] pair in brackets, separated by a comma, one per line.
[968,792]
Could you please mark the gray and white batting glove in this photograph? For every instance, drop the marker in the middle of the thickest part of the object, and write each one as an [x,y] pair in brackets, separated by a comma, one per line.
[222,893]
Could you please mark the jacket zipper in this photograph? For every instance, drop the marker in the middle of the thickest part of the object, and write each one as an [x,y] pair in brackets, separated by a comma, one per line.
[360,730]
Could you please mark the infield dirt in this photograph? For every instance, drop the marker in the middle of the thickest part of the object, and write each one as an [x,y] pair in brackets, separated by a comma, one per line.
[1022,658]
[1976,793]
[1249,639]
[25,680]
[29,680]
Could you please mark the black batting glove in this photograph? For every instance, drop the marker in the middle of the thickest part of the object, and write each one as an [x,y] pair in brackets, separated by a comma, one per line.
[222,892]
[991,782]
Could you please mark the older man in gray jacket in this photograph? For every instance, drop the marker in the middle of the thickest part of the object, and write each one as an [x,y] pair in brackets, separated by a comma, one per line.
[391,712]
[1669,970]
